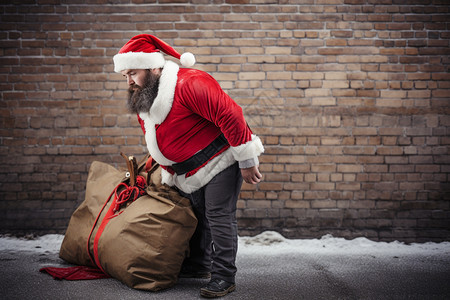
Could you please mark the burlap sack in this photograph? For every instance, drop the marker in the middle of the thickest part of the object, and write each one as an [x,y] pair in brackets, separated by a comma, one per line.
[144,244]
[101,181]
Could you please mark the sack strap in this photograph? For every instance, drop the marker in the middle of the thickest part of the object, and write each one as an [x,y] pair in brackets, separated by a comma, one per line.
[94,258]
[200,157]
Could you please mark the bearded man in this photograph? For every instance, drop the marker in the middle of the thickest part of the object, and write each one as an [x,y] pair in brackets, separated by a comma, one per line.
[199,136]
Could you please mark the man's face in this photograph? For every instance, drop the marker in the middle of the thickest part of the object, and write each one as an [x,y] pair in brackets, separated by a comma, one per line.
[142,88]
[135,77]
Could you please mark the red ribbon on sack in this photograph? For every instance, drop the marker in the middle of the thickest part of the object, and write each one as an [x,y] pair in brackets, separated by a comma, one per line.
[128,193]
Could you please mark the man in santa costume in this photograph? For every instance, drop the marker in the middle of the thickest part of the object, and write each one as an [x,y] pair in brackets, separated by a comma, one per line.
[199,136]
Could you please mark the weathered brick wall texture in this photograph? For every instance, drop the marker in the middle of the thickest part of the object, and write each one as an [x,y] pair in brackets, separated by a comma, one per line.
[350,97]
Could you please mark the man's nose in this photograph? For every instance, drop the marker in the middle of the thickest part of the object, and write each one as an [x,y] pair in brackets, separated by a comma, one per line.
[130,81]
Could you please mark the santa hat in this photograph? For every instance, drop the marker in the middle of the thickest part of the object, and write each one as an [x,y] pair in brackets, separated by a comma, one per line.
[143,52]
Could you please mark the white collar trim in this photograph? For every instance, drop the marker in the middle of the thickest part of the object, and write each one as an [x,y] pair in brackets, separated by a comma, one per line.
[152,143]
[160,109]
[166,91]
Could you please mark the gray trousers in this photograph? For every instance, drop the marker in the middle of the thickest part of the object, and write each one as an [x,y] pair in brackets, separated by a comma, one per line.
[213,246]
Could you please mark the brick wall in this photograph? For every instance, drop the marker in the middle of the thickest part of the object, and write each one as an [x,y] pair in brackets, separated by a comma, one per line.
[350,97]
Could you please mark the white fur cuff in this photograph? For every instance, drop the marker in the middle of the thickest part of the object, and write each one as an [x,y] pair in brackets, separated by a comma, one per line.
[248,150]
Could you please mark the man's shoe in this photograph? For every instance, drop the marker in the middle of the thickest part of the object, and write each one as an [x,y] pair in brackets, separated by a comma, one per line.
[217,288]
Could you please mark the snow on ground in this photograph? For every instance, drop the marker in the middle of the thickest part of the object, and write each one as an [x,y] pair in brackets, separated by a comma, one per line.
[266,243]
[273,242]
[47,243]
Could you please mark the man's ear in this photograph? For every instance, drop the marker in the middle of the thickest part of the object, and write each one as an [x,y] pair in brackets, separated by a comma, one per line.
[156,71]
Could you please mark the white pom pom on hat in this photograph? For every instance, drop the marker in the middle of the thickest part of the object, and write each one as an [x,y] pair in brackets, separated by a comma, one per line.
[187,59]
[144,52]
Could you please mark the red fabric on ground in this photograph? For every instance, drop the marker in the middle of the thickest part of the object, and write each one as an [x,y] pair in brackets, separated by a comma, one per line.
[75,273]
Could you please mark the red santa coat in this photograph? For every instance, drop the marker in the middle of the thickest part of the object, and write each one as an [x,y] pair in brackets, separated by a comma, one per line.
[190,111]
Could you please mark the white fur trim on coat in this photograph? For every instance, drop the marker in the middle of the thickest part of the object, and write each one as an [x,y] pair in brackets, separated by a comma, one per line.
[166,91]
[159,111]
[138,60]
[248,150]
[152,143]
[203,176]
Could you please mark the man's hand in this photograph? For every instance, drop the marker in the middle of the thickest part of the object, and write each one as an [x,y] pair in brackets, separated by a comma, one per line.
[251,175]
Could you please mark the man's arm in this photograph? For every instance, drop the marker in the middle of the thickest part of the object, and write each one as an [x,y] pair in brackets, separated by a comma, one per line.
[212,103]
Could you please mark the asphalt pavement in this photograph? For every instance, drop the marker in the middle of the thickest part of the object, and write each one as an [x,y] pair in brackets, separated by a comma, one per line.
[285,276]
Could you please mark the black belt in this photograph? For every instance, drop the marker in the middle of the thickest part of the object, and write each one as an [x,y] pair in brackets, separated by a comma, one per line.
[200,157]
